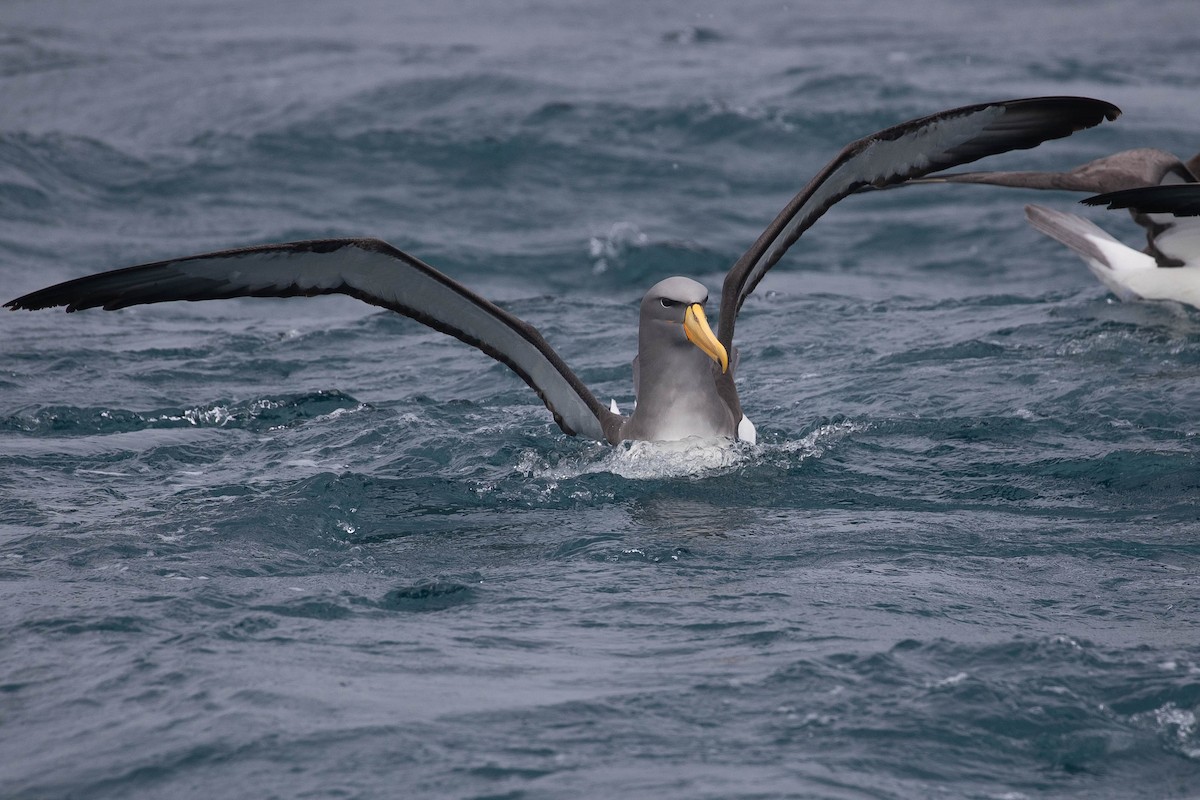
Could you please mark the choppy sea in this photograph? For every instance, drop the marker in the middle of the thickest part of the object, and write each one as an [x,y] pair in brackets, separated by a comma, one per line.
[310,549]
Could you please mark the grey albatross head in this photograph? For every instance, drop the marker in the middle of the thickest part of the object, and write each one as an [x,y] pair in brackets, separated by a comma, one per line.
[678,363]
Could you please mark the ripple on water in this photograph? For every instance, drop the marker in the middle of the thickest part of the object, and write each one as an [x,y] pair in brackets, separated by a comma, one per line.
[258,414]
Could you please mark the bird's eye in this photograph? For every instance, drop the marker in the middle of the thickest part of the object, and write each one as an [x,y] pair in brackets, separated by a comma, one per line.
[667,303]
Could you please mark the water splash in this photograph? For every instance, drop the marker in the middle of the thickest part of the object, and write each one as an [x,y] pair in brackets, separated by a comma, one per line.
[813,444]
[613,246]
[691,457]
[1178,728]
[688,458]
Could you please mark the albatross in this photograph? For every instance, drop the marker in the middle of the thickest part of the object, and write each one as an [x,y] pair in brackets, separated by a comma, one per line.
[1154,186]
[1172,274]
[684,373]
[1127,169]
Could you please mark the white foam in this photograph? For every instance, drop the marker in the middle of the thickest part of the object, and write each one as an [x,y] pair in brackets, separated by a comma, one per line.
[644,460]
[1181,723]
[953,680]
[692,457]
[819,440]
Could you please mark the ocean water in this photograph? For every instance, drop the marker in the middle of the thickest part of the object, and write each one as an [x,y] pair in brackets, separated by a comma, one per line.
[306,548]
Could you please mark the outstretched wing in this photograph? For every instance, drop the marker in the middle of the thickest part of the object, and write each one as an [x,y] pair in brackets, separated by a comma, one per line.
[372,271]
[896,154]
[1181,200]
[1142,166]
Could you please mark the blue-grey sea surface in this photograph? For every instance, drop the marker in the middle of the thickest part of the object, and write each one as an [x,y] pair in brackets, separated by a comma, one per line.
[310,549]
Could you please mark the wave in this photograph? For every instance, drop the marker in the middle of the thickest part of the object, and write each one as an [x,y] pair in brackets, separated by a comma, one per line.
[258,414]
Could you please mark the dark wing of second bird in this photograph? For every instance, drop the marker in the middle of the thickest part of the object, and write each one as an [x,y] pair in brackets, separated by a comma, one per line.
[1180,200]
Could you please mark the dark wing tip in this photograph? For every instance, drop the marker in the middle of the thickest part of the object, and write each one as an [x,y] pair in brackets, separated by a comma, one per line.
[1067,113]
[108,290]
[35,301]
[1004,125]
[1077,113]
[1028,122]
[1089,104]
[1182,200]
[159,282]
[1086,112]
